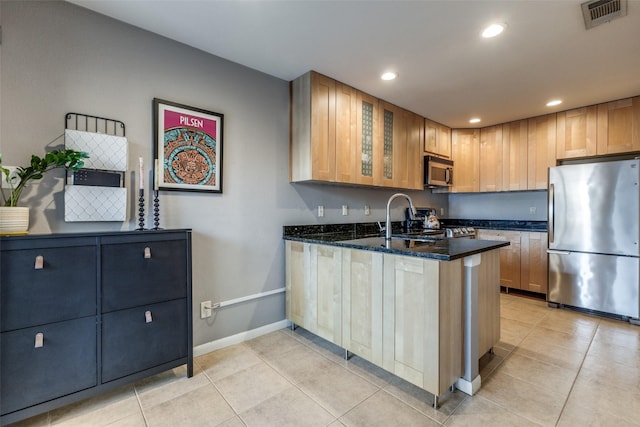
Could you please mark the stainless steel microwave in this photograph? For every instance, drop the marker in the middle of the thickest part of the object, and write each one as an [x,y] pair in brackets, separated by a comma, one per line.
[437,172]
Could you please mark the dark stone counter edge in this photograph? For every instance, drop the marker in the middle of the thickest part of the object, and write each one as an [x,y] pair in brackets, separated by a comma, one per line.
[481,246]
[371,228]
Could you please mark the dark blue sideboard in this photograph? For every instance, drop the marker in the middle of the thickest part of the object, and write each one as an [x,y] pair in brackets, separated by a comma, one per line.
[87,312]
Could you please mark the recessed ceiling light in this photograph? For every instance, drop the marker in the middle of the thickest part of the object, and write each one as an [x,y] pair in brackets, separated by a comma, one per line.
[389,76]
[493,30]
[474,120]
[554,102]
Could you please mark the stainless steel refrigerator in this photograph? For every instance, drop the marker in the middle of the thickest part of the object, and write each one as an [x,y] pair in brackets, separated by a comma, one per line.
[594,258]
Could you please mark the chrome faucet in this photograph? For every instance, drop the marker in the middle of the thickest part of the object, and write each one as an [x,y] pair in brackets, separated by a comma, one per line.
[387,237]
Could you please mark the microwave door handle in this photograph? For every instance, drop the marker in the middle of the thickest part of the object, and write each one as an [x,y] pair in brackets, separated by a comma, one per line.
[448,175]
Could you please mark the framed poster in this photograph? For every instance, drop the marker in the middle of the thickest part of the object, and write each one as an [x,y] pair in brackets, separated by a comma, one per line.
[188,148]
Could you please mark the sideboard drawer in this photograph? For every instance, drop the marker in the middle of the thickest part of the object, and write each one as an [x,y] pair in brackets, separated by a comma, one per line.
[65,363]
[47,285]
[139,273]
[143,337]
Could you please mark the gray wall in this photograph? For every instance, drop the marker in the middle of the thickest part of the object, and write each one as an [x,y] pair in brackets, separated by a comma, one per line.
[513,205]
[56,58]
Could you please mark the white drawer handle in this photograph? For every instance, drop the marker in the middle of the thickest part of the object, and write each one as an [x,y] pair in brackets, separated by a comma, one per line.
[39,340]
[147,252]
[39,262]
[148,317]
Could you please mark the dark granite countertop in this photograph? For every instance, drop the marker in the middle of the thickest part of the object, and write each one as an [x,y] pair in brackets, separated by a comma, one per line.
[365,238]
[513,225]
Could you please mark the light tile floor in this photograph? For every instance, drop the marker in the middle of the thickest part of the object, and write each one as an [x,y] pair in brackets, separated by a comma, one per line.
[551,367]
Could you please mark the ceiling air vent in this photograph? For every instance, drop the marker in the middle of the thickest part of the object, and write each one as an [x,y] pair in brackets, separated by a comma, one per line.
[598,12]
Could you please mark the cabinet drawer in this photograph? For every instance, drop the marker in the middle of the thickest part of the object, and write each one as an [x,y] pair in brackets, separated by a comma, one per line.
[64,288]
[131,344]
[65,363]
[129,279]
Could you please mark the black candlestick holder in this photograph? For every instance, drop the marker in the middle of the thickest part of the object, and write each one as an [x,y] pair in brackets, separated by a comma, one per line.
[156,210]
[140,209]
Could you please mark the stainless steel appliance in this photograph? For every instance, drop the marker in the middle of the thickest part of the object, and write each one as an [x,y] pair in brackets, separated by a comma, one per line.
[437,172]
[594,258]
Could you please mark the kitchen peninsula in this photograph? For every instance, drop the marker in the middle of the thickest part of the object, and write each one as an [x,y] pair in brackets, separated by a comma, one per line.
[423,309]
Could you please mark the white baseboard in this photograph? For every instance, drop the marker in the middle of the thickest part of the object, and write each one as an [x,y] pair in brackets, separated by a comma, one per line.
[239,338]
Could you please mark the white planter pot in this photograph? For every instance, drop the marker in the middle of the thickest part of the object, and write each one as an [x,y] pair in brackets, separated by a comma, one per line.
[14,220]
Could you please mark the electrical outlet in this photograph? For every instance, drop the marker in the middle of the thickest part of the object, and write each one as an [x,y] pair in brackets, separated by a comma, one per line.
[367,210]
[441,211]
[345,210]
[532,210]
[205,309]
[320,211]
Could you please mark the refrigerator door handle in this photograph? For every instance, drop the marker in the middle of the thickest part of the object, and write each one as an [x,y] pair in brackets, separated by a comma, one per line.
[550,205]
[553,251]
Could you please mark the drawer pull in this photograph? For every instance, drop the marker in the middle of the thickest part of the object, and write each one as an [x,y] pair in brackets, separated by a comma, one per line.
[148,317]
[39,262]
[39,340]
[147,252]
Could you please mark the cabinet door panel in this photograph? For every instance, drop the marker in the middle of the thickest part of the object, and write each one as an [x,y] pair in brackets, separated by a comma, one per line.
[362,304]
[534,262]
[577,133]
[131,343]
[542,150]
[619,126]
[64,288]
[323,125]
[465,152]
[65,363]
[129,279]
[514,155]
[346,135]
[491,158]
[367,138]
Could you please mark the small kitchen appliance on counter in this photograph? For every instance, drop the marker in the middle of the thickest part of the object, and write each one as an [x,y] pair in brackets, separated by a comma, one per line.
[426,222]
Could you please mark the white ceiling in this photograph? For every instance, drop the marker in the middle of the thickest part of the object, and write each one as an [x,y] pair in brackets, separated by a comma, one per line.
[447,72]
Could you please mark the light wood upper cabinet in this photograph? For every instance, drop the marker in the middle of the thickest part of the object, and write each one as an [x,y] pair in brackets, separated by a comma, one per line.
[399,155]
[619,126]
[313,132]
[534,275]
[541,150]
[491,158]
[437,139]
[514,155]
[465,153]
[577,133]
[346,133]
[367,138]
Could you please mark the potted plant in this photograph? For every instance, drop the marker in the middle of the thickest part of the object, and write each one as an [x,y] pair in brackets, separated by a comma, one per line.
[15,219]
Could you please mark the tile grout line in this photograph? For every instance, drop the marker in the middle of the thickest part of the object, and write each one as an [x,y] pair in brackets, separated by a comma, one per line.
[144,417]
[564,405]
[204,372]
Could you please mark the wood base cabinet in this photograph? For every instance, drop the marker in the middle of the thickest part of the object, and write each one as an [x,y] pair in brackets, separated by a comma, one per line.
[84,313]
[401,313]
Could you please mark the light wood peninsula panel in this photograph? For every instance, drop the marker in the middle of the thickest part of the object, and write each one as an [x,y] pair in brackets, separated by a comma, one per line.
[422,337]
[314,288]
[362,303]
[489,301]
